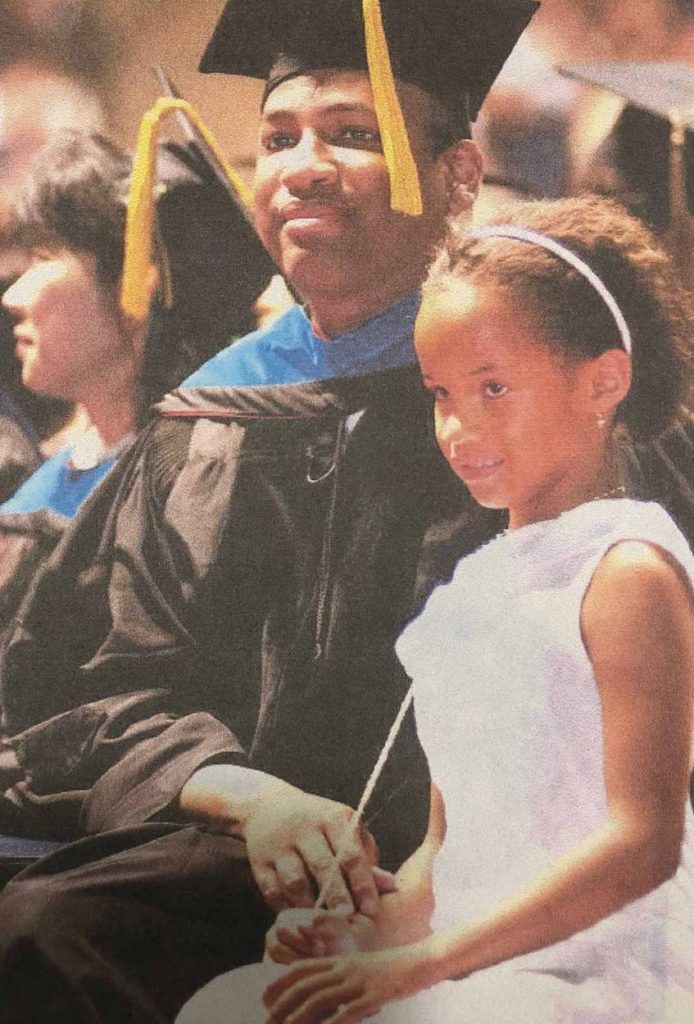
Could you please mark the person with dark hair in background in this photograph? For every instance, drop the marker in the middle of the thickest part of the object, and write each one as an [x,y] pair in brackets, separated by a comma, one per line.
[72,339]
[38,99]
[207,729]
[75,343]
[70,336]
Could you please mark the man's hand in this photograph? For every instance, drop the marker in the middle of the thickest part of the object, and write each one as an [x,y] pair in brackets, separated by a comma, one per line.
[292,838]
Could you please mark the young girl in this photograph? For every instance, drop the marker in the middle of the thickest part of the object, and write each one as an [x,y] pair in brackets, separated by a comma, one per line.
[552,675]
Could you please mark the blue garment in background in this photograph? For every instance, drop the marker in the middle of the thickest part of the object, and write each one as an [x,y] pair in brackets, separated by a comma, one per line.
[288,352]
[57,485]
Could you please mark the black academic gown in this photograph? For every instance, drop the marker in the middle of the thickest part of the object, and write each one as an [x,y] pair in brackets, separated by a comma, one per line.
[19,453]
[263,549]
[259,560]
[232,592]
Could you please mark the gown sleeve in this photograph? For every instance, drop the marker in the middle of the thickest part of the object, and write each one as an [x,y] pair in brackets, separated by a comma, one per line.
[134,659]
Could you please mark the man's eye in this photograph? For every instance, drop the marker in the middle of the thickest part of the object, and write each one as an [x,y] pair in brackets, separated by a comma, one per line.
[495,389]
[278,140]
[440,394]
[360,136]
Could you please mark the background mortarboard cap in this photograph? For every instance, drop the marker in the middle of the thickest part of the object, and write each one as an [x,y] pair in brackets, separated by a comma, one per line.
[663,89]
[206,236]
[212,267]
[453,49]
[223,193]
[659,96]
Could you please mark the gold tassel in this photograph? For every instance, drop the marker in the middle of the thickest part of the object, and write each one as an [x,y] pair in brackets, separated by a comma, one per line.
[138,270]
[405,193]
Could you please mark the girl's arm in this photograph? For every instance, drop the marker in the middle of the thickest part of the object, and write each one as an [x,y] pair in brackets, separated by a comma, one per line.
[637,627]
[405,914]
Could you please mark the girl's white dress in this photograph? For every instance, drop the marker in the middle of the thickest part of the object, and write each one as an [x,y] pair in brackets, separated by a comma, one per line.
[509,715]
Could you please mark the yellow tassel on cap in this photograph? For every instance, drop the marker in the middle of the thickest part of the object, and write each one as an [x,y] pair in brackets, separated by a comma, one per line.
[138,270]
[405,193]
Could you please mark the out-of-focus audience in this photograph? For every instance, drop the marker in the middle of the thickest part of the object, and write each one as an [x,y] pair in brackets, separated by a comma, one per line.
[540,130]
[37,101]
[634,164]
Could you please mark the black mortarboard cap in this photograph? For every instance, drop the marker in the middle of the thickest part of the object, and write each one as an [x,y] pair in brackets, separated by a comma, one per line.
[660,87]
[658,118]
[453,49]
[205,237]
[211,268]
[196,174]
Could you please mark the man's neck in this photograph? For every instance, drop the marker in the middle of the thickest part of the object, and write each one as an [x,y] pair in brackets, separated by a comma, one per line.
[333,315]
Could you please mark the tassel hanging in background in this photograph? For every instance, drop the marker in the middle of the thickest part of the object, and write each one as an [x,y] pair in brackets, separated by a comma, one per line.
[138,270]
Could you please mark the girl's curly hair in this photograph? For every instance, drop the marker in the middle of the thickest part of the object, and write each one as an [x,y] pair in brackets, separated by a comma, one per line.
[573,317]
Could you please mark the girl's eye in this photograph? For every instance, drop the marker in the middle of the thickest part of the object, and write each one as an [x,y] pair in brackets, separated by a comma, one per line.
[495,389]
[440,394]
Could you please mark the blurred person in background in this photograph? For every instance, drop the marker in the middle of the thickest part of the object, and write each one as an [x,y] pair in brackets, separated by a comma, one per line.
[37,102]
[70,337]
[76,38]
[539,130]
[38,99]
[634,165]
[523,128]
[648,165]
[75,343]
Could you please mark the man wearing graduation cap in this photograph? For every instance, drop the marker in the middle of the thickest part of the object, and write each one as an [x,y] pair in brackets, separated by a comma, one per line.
[227,657]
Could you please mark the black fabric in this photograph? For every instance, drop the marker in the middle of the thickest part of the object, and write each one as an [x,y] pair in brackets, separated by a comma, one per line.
[232,592]
[124,927]
[453,49]
[19,455]
[26,541]
[232,609]
[664,474]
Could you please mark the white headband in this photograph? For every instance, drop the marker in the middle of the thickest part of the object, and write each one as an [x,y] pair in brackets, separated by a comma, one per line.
[535,238]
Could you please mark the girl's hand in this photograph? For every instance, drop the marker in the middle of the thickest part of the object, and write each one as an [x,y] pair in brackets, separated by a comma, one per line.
[298,934]
[345,989]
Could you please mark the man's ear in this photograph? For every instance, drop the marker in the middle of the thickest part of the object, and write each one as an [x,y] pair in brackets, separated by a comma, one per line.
[608,380]
[462,168]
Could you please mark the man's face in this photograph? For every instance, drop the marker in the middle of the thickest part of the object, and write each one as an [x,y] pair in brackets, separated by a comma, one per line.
[322,191]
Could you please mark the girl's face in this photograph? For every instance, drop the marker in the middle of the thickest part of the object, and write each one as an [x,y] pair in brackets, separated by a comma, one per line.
[68,332]
[514,421]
